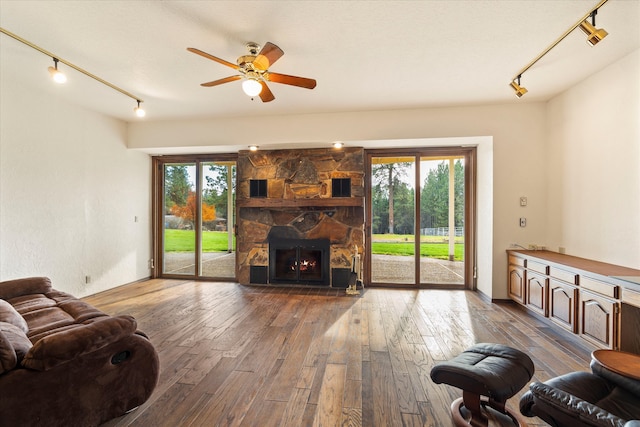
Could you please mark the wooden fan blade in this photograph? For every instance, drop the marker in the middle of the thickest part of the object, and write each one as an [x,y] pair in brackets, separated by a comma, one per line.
[266,94]
[269,54]
[221,81]
[213,58]
[292,80]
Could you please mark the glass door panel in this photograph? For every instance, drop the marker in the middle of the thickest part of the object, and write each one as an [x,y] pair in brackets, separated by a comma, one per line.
[217,220]
[442,217]
[393,220]
[179,214]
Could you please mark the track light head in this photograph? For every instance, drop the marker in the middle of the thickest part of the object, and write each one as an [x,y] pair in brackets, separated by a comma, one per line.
[519,89]
[139,111]
[56,75]
[253,148]
[594,35]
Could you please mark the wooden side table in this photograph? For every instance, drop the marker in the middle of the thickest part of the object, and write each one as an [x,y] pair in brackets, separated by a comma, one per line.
[620,362]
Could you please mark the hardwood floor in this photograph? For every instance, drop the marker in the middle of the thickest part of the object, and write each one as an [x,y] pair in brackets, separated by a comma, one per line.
[258,356]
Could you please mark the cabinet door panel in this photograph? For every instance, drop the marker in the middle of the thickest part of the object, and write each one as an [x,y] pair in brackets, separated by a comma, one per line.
[536,292]
[516,284]
[562,304]
[598,321]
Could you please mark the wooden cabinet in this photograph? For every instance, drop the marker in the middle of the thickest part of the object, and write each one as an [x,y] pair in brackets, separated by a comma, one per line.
[588,298]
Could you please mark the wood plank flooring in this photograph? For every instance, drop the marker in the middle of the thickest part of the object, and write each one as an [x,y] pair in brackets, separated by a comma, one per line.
[234,355]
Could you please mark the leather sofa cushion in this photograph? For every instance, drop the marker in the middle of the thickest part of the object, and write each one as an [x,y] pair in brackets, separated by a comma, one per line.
[30,285]
[10,315]
[53,312]
[14,345]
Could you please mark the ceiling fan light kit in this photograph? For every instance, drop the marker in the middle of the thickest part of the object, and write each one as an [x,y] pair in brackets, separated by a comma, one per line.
[251,86]
[254,70]
[594,35]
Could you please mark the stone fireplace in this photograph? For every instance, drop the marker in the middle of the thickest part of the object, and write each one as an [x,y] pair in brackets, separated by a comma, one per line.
[298,232]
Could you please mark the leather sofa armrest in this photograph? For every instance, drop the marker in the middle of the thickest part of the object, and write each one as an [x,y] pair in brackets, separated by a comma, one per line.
[25,286]
[625,382]
[561,401]
[64,346]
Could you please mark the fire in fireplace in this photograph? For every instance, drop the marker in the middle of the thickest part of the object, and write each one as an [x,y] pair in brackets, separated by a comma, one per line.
[299,261]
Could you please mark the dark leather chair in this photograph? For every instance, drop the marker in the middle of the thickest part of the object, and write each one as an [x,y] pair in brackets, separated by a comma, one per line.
[598,398]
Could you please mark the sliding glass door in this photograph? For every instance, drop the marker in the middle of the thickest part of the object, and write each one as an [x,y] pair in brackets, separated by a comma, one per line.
[442,220]
[393,220]
[217,252]
[420,221]
[194,211]
[179,219]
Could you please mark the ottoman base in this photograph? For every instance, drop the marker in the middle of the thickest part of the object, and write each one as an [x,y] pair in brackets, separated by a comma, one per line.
[464,417]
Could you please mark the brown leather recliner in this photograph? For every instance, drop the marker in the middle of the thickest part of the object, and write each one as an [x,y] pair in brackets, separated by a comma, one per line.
[578,399]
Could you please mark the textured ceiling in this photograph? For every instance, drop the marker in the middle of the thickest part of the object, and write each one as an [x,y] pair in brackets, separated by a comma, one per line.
[365,55]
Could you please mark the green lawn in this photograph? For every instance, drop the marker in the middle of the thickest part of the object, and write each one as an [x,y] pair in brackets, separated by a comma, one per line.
[383,244]
[431,250]
[185,241]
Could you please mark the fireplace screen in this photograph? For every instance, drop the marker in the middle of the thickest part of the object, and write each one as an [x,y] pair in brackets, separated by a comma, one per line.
[299,261]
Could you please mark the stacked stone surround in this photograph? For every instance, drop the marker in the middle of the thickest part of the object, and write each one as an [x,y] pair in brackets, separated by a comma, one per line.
[299,203]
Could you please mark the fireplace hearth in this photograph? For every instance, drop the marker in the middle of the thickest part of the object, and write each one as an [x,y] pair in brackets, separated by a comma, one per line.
[299,261]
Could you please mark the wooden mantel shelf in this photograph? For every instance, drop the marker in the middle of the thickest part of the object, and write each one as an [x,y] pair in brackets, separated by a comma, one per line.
[331,202]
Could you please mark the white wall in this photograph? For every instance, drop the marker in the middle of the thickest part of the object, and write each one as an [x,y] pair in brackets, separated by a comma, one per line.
[594,166]
[511,163]
[69,192]
[69,188]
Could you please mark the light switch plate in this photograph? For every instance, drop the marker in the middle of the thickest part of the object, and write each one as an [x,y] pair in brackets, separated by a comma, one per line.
[523,201]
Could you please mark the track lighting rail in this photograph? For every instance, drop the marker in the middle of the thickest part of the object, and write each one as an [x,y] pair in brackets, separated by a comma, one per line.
[69,64]
[589,14]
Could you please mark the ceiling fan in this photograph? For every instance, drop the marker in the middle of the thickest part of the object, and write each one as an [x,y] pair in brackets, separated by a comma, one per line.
[254,68]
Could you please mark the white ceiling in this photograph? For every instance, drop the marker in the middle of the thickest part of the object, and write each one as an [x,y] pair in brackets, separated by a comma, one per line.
[365,55]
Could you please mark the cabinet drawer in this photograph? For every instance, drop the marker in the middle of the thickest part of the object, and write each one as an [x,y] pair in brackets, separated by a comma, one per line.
[631,297]
[606,289]
[514,260]
[538,266]
[564,275]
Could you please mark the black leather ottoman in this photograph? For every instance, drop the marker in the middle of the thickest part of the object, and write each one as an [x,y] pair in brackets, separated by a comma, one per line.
[488,375]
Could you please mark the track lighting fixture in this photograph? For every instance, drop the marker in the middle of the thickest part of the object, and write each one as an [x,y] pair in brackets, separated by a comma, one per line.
[57,75]
[253,148]
[519,89]
[251,87]
[338,145]
[594,36]
[138,110]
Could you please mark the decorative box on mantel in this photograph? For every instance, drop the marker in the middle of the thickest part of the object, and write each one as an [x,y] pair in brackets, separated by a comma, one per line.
[299,205]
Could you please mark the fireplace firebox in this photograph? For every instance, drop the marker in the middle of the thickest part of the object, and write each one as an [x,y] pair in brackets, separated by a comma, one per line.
[299,261]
